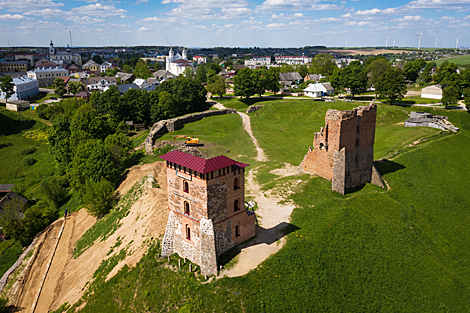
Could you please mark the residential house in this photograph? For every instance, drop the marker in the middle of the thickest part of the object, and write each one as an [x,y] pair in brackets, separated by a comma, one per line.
[125,77]
[9,197]
[288,79]
[432,92]
[99,83]
[75,68]
[343,62]
[319,90]
[313,77]
[124,88]
[163,75]
[84,95]
[45,63]
[199,59]
[104,66]
[32,58]
[45,76]
[92,66]
[25,88]
[142,83]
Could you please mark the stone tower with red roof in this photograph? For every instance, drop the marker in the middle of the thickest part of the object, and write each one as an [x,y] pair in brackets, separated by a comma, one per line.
[206,199]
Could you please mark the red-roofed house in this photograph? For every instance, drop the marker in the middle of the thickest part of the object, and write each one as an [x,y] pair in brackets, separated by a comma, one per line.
[206,199]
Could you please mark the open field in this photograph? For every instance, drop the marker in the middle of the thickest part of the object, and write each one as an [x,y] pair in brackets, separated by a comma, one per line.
[462,60]
[404,249]
[366,51]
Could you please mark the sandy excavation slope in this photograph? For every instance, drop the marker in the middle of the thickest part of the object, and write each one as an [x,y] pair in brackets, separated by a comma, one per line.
[67,277]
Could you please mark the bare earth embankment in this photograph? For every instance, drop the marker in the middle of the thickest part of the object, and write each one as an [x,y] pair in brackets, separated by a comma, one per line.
[67,277]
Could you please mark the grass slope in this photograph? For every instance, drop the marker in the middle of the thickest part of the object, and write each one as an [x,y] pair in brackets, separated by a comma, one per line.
[15,137]
[10,250]
[463,60]
[400,250]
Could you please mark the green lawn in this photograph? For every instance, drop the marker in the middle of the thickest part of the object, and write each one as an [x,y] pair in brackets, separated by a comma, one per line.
[15,137]
[406,249]
[463,60]
[10,250]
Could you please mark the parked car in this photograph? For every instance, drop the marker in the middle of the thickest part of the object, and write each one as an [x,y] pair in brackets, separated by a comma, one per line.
[53,98]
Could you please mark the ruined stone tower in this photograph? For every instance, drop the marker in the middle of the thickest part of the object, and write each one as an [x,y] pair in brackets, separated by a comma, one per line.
[343,151]
[206,199]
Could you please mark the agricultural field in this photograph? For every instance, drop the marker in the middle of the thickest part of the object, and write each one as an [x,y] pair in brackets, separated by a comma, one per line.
[462,61]
[404,249]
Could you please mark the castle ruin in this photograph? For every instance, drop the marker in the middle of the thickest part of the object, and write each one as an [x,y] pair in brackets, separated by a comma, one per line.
[343,150]
[206,199]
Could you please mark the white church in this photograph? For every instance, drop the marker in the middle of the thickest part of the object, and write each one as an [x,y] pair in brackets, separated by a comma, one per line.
[177,64]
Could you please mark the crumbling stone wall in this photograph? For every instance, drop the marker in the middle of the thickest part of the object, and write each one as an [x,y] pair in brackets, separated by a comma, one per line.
[343,150]
[165,126]
[253,108]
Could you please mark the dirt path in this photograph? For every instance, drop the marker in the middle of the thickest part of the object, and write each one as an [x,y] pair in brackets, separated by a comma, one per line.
[261,157]
[272,218]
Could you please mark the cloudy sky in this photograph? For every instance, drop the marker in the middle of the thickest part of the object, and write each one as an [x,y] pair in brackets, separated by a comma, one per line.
[235,23]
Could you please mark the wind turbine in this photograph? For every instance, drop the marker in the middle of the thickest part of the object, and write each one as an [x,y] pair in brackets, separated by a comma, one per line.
[394,42]
[457,43]
[437,40]
[419,41]
[386,43]
[346,43]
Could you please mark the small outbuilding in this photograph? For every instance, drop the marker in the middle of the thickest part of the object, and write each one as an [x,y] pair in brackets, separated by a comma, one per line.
[319,90]
[432,92]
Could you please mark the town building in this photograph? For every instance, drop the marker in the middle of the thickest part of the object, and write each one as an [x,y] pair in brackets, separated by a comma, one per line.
[45,63]
[45,76]
[343,150]
[104,66]
[206,199]
[163,75]
[125,77]
[32,58]
[14,66]
[432,92]
[288,79]
[142,83]
[177,64]
[293,59]
[64,56]
[99,83]
[319,90]
[25,88]
[200,59]
[92,66]
[258,61]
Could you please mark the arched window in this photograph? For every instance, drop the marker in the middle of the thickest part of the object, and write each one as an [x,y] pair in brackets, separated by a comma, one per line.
[237,230]
[357,142]
[236,184]
[188,232]
[236,205]
[186,208]
[186,187]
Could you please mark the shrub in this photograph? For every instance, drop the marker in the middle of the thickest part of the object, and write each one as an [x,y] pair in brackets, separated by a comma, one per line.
[28,161]
[28,150]
[99,197]
[3,305]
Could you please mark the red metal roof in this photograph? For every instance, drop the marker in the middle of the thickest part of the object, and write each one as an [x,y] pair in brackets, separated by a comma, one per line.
[199,164]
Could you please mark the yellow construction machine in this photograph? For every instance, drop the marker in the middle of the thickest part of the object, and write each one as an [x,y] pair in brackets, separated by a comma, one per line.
[189,141]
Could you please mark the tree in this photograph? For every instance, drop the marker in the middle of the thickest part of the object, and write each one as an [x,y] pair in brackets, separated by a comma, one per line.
[127,69]
[217,87]
[323,63]
[411,69]
[354,78]
[466,95]
[302,70]
[272,79]
[391,85]
[142,70]
[54,191]
[99,197]
[201,73]
[76,87]
[259,80]
[450,96]
[210,76]
[59,140]
[164,108]
[243,85]
[376,69]
[7,86]
[59,87]
[12,221]
[97,59]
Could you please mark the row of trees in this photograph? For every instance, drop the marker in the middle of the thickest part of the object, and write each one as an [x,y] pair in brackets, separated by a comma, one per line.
[251,82]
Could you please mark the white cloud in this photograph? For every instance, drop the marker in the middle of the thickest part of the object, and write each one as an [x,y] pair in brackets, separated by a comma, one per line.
[12,17]
[290,5]
[209,9]
[409,18]
[22,5]
[99,10]
[143,28]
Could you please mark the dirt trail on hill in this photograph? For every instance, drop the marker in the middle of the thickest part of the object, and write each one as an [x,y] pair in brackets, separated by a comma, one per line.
[247,125]
[272,218]
[67,277]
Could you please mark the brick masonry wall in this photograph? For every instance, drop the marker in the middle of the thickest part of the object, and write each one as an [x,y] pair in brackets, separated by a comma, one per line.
[165,126]
[353,131]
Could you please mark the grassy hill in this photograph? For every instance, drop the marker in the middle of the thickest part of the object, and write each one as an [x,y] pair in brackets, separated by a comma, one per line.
[463,60]
[405,249]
